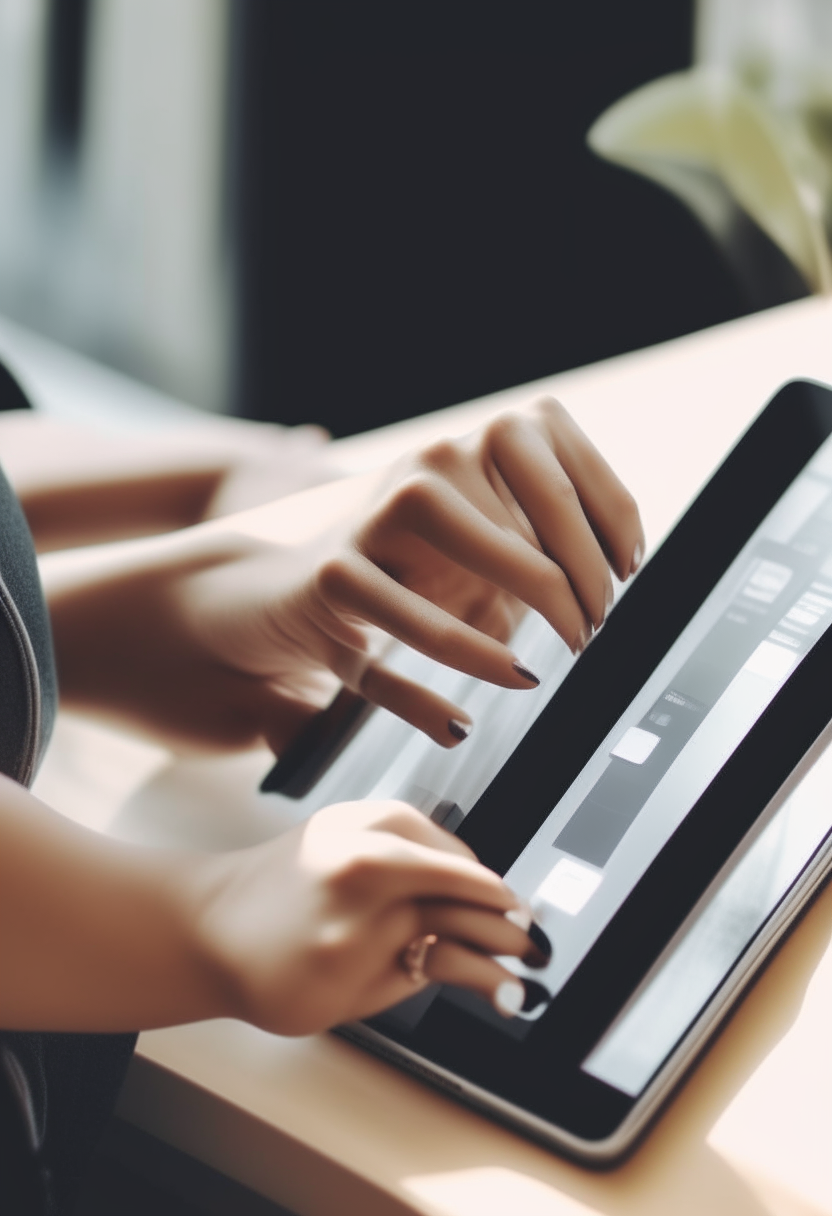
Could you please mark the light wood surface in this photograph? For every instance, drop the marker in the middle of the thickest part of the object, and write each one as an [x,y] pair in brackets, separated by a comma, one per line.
[322,1128]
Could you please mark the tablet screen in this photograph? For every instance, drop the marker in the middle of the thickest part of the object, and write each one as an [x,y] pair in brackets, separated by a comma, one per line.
[696,706]
[761,620]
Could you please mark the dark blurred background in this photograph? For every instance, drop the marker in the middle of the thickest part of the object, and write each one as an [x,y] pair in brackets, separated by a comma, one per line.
[345,213]
[421,221]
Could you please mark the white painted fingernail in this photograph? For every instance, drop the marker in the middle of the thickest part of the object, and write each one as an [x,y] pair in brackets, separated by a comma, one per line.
[582,639]
[638,554]
[509,998]
[521,917]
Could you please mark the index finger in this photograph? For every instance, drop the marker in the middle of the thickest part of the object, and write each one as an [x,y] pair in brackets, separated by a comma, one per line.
[609,506]
[543,489]
[387,868]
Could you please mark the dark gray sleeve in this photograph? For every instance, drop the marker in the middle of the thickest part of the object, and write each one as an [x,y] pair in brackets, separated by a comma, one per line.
[28,683]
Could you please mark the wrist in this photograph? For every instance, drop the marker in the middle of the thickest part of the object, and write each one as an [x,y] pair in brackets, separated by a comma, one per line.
[215,917]
[96,934]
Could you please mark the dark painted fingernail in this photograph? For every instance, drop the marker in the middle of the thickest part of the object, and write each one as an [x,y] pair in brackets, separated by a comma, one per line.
[458,729]
[541,951]
[540,941]
[525,673]
[536,995]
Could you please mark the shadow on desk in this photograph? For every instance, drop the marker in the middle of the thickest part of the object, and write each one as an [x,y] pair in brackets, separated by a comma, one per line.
[134,1174]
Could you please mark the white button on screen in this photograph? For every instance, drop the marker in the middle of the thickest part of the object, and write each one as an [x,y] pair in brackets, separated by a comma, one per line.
[636,745]
[767,581]
[771,662]
[568,886]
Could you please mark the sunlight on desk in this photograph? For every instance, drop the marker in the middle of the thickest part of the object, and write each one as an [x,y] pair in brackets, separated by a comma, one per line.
[779,1126]
[492,1192]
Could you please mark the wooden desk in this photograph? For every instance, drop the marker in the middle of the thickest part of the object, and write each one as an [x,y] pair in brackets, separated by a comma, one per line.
[322,1128]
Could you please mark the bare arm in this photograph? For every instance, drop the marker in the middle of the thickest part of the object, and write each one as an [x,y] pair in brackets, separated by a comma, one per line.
[81,485]
[93,934]
[295,935]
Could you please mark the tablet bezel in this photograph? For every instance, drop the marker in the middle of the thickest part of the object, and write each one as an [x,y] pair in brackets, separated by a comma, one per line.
[541,1074]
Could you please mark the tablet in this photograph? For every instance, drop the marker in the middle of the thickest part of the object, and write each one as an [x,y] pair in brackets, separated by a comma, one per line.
[652,812]
[649,800]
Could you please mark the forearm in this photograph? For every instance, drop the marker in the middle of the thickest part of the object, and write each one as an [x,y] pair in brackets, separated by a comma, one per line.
[80,485]
[97,935]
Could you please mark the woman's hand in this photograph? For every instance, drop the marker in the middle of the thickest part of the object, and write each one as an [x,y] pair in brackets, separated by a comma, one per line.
[239,630]
[444,555]
[294,935]
[314,926]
